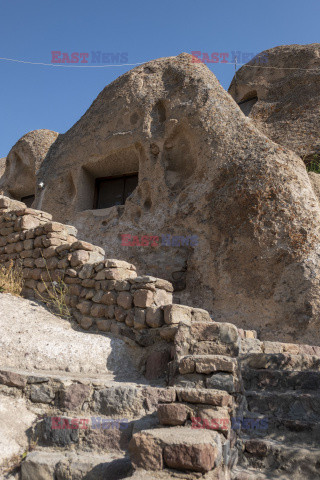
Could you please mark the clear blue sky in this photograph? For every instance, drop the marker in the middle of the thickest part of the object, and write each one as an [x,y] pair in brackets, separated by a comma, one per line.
[33,97]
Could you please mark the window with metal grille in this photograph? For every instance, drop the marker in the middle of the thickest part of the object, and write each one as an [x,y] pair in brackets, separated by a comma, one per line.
[110,191]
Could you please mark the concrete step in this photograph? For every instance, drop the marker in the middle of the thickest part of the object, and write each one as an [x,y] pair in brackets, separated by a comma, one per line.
[293,405]
[300,461]
[51,464]
[280,380]
[281,361]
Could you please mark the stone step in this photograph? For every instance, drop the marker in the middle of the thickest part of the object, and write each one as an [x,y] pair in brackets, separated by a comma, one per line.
[207,364]
[295,432]
[86,432]
[178,448]
[207,338]
[281,361]
[99,394]
[290,405]
[219,473]
[51,464]
[280,380]
[298,461]
[246,473]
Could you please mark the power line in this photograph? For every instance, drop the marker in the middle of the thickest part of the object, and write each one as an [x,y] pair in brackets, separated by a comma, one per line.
[69,66]
[247,65]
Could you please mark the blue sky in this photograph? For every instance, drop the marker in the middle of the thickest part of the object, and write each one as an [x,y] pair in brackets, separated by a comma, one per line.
[33,97]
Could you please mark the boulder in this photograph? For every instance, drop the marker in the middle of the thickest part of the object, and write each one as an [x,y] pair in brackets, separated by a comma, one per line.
[207,172]
[18,180]
[282,96]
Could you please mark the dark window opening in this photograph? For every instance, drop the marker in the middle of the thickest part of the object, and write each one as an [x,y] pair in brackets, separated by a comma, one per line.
[111,191]
[28,200]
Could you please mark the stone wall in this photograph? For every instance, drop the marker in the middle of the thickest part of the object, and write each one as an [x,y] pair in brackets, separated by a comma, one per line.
[105,294]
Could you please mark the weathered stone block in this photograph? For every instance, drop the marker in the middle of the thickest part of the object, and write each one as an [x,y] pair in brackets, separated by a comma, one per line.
[74,396]
[41,394]
[86,322]
[124,300]
[29,221]
[103,325]
[172,414]
[162,297]
[210,397]
[12,379]
[145,452]
[79,257]
[215,363]
[197,458]
[222,381]
[143,298]
[109,298]
[154,317]
[98,311]
[139,321]
[120,314]
[84,307]
[187,365]
[174,314]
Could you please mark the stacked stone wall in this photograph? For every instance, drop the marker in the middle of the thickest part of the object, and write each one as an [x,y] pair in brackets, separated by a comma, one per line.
[105,294]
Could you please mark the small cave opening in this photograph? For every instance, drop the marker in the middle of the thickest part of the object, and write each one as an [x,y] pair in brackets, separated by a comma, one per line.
[248,102]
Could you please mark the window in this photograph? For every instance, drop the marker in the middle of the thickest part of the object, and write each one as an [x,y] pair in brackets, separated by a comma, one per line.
[28,200]
[110,191]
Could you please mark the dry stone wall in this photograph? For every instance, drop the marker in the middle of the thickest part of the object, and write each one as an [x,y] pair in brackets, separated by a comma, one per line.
[106,294]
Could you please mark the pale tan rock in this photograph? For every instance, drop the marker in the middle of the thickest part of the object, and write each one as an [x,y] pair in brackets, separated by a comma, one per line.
[2,166]
[285,102]
[315,182]
[210,397]
[205,170]
[143,298]
[174,314]
[24,159]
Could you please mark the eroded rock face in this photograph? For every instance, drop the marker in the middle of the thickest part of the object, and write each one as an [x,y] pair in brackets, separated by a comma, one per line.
[205,170]
[2,166]
[282,97]
[18,180]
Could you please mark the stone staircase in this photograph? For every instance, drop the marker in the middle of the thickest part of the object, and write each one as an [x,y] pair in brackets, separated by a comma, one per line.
[91,426]
[281,390]
[200,399]
[185,428]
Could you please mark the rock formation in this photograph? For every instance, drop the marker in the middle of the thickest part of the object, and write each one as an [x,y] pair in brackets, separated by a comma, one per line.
[156,390]
[2,166]
[23,161]
[129,384]
[204,170]
[282,98]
